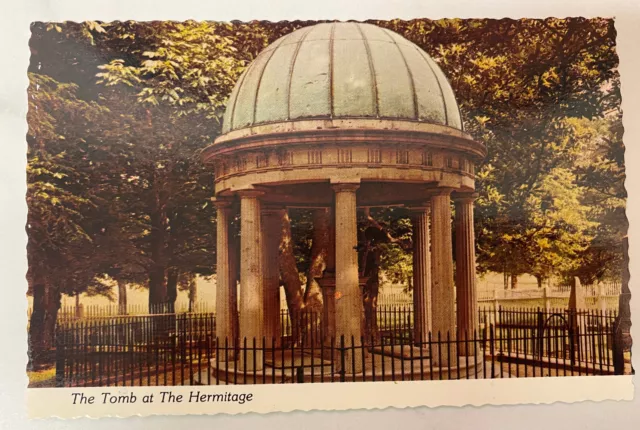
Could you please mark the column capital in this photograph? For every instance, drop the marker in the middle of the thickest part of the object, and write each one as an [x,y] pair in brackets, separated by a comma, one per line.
[465,197]
[345,186]
[442,192]
[221,202]
[250,193]
[419,208]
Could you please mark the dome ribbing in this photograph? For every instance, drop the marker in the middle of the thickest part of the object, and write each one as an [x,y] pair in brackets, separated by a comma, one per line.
[341,71]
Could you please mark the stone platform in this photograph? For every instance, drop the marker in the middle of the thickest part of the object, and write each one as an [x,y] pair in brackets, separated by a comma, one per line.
[394,365]
[406,352]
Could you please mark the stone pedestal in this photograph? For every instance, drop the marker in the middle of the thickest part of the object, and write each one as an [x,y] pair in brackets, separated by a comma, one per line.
[442,293]
[466,296]
[348,297]
[251,278]
[421,274]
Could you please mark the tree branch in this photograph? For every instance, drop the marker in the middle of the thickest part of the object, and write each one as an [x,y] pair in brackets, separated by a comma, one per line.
[403,243]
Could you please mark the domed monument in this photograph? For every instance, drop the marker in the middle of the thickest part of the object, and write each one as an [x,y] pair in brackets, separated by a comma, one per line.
[342,116]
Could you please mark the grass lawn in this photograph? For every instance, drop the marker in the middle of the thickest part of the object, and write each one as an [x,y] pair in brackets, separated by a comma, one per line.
[42,378]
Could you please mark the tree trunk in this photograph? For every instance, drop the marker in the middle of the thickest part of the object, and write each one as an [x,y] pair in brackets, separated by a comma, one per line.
[370,263]
[371,301]
[122,298]
[290,276]
[78,309]
[514,281]
[624,310]
[172,290]
[157,278]
[46,302]
[319,252]
[158,234]
[36,327]
[193,294]
[505,278]
[169,307]
[52,306]
[313,302]
[540,280]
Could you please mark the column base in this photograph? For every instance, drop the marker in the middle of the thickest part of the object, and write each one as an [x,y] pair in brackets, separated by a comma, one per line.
[405,352]
[251,360]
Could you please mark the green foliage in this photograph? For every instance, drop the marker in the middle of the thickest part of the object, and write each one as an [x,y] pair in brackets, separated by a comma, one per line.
[397,264]
[67,219]
[122,110]
[302,234]
[540,94]
[388,233]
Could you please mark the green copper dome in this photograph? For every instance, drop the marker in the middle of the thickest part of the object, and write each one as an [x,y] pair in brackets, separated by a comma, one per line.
[341,70]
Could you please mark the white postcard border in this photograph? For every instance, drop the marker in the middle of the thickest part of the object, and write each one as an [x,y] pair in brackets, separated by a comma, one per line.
[130,401]
[13,124]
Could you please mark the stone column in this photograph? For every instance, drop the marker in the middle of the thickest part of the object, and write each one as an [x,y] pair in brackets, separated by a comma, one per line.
[234,264]
[251,278]
[271,222]
[331,244]
[466,296]
[442,293]
[226,304]
[348,303]
[328,284]
[421,274]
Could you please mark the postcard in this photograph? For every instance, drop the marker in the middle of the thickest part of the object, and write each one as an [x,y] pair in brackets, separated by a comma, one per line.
[255,216]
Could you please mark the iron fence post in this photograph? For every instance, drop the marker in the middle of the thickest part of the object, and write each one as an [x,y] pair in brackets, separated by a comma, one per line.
[617,348]
[342,359]
[60,360]
[540,333]
[570,327]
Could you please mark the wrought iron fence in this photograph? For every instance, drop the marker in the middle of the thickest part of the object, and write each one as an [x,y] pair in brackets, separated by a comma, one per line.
[396,320]
[137,330]
[85,312]
[534,317]
[183,349]
[586,336]
[395,299]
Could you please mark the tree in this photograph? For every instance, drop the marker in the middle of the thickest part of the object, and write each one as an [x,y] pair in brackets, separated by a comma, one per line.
[542,94]
[600,171]
[65,222]
[182,79]
[519,84]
